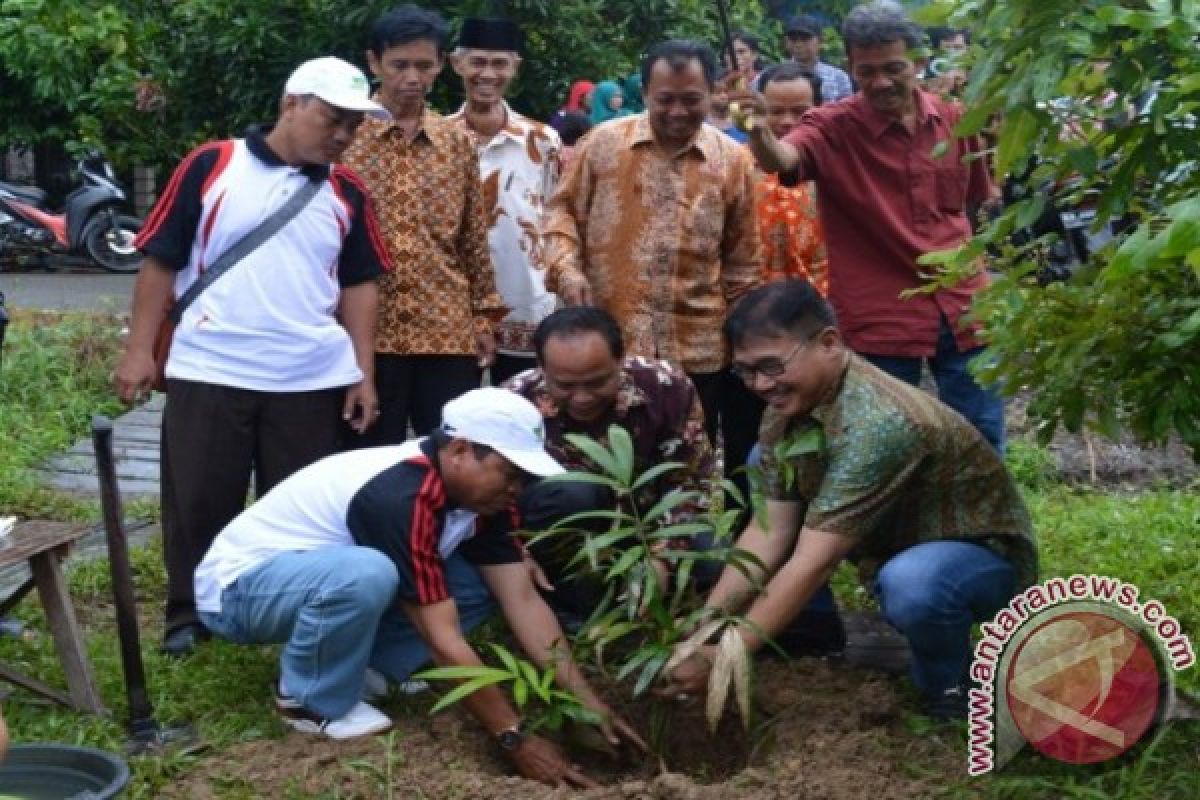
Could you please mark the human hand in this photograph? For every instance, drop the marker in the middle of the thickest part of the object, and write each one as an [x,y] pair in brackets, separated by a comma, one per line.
[542,760]
[747,109]
[485,348]
[536,573]
[135,375]
[361,406]
[576,292]
[617,730]
[690,676]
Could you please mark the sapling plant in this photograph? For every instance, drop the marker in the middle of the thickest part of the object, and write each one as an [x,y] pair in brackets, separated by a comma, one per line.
[541,703]
[647,560]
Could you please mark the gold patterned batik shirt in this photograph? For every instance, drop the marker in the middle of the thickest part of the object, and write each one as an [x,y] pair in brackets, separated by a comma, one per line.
[432,216]
[666,242]
[520,167]
[894,467]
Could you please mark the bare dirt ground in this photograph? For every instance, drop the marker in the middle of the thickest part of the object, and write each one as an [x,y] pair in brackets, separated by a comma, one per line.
[823,731]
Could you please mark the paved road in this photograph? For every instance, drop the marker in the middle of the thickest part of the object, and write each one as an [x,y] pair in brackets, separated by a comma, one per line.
[78,291]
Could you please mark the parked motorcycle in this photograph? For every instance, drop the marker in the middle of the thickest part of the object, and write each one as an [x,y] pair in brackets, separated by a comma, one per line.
[90,229]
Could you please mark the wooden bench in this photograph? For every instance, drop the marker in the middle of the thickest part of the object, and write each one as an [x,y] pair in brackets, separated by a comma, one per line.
[43,546]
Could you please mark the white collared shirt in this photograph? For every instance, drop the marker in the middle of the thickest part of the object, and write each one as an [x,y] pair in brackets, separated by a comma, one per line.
[519,167]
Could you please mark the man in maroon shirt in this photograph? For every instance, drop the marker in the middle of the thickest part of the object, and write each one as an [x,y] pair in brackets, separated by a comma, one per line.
[893,183]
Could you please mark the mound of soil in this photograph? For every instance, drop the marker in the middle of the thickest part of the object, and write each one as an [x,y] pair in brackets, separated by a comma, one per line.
[823,730]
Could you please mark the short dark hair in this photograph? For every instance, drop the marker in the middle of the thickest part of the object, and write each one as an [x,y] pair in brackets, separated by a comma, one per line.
[939,35]
[574,320]
[791,307]
[879,23]
[791,71]
[442,439]
[747,38]
[573,126]
[677,53]
[405,24]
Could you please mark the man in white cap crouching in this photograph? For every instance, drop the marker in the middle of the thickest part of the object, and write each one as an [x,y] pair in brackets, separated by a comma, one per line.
[383,558]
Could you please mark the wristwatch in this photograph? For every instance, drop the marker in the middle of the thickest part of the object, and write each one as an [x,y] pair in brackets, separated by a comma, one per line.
[510,739]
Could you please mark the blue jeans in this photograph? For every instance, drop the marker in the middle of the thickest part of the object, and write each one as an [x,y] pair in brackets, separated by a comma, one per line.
[932,593]
[334,608]
[957,387]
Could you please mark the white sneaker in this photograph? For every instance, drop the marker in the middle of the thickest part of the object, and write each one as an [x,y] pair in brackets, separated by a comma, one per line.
[375,686]
[362,720]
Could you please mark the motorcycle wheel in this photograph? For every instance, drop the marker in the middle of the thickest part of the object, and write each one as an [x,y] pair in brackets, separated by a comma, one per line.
[108,239]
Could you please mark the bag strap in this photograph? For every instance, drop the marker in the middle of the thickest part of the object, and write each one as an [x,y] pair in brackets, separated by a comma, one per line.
[247,245]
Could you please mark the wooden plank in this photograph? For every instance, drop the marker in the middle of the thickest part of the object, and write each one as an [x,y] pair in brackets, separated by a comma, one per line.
[30,538]
[68,639]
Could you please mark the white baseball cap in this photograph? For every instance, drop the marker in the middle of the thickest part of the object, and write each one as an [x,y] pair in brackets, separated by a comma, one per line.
[337,82]
[505,422]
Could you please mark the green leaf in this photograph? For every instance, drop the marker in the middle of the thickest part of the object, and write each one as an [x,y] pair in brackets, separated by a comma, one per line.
[651,671]
[520,692]
[460,673]
[669,502]
[622,450]
[599,455]
[655,472]
[468,688]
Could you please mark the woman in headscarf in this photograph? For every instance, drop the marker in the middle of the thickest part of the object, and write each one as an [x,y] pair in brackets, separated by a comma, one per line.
[579,99]
[608,102]
[633,93]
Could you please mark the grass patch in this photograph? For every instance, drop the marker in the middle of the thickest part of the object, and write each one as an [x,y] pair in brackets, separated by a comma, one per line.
[56,373]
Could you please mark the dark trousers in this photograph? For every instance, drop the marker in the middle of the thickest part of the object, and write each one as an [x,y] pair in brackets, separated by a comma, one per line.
[412,391]
[957,387]
[213,438]
[736,411]
[507,366]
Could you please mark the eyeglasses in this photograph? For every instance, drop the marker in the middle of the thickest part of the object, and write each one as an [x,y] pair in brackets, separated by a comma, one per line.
[768,367]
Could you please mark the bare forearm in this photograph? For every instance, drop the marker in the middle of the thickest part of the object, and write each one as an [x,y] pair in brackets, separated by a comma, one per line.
[772,154]
[359,308]
[785,596]
[153,291]
[542,638]
[735,587]
[488,705]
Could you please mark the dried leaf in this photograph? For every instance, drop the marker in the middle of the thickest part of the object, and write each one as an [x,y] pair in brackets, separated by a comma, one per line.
[741,671]
[685,649]
[718,685]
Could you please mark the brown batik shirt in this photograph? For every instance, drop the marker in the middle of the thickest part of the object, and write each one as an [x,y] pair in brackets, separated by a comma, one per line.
[891,466]
[429,201]
[666,242]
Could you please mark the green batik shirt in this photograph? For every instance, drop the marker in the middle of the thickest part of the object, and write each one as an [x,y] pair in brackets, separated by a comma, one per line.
[893,467]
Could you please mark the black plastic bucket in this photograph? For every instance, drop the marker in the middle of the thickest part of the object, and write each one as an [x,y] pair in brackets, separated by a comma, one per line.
[61,772]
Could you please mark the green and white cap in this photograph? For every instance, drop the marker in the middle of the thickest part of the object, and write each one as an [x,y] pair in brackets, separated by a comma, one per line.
[337,82]
[505,422]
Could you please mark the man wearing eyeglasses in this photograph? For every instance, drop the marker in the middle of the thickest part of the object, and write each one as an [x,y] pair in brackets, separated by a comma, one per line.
[857,464]
[893,183]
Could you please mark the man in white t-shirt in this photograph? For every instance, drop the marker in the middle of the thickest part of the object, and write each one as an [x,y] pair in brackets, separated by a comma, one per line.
[271,357]
[383,558]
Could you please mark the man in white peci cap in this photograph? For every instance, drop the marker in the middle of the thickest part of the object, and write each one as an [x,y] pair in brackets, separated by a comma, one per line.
[267,254]
[384,558]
